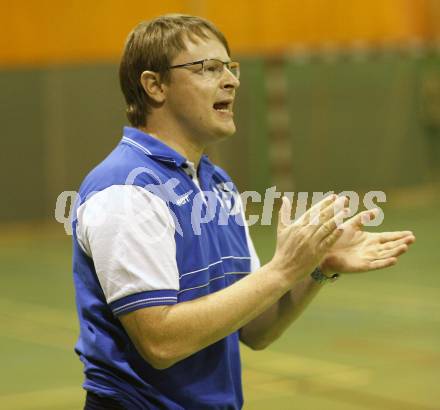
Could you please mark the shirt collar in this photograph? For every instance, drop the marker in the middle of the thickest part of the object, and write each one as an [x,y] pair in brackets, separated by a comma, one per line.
[156,149]
[152,146]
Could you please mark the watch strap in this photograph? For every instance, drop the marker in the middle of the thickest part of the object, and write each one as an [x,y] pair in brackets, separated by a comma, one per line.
[319,276]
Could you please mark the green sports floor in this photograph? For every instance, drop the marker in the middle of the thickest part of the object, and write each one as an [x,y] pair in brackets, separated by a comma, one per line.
[369,341]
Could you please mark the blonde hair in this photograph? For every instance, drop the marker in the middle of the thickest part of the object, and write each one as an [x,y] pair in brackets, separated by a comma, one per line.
[152,45]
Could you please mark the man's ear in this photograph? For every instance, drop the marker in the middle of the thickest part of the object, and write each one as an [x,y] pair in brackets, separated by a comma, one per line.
[153,86]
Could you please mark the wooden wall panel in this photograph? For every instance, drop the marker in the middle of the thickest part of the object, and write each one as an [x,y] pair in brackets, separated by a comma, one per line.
[49,31]
[279,25]
[40,31]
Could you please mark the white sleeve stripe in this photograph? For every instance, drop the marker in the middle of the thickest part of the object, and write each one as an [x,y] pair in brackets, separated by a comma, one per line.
[144,301]
[142,305]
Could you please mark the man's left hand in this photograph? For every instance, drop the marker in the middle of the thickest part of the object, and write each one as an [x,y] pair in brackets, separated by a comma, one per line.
[359,251]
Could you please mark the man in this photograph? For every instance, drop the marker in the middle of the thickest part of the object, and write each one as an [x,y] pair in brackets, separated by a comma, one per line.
[162,263]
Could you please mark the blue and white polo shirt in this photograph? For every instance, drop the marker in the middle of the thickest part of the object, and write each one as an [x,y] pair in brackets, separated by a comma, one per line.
[149,230]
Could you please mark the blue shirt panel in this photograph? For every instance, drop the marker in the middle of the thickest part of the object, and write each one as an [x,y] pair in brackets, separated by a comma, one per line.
[208,262]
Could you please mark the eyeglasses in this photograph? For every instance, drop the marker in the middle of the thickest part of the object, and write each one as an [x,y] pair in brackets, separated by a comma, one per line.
[212,68]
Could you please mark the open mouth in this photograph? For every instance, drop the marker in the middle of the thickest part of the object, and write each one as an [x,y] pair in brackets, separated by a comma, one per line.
[223,106]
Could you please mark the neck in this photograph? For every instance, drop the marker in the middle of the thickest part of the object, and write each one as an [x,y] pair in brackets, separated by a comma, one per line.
[185,146]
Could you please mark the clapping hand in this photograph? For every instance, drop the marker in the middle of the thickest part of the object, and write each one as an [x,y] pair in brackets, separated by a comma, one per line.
[360,251]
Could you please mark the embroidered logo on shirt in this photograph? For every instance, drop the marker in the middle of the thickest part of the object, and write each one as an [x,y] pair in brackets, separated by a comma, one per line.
[184,199]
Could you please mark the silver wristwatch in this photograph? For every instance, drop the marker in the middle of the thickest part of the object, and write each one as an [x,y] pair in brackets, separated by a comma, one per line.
[319,277]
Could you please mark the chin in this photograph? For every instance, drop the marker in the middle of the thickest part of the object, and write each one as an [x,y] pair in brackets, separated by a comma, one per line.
[219,136]
[220,132]
[227,131]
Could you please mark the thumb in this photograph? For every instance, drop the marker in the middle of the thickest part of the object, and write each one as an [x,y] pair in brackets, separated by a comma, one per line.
[362,218]
[284,213]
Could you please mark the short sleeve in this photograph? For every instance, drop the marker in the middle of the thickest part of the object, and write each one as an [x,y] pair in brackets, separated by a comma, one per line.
[128,232]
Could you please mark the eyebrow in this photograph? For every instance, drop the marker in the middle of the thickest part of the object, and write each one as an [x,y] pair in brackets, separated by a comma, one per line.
[199,61]
[228,60]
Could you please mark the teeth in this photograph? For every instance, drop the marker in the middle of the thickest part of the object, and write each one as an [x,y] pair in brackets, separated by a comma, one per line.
[222,106]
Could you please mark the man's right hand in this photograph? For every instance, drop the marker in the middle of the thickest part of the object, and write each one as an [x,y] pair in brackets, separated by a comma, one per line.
[302,244]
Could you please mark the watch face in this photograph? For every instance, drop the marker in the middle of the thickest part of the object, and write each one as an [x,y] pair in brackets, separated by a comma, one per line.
[319,277]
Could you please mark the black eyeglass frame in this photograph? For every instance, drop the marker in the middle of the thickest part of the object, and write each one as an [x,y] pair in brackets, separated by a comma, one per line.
[202,62]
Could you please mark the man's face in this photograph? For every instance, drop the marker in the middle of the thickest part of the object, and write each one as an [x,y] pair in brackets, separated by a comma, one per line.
[201,105]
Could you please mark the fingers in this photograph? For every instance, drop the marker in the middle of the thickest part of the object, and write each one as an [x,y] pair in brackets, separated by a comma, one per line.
[394,252]
[284,213]
[408,240]
[312,214]
[394,236]
[382,263]
[335,211]
[329,227]
[389,252]
[330,211]
[363,217]
[331,238]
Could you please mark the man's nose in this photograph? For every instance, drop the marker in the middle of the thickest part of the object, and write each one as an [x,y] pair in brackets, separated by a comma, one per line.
[229,79]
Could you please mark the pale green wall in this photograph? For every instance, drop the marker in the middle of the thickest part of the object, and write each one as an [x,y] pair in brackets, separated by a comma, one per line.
[353,125]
